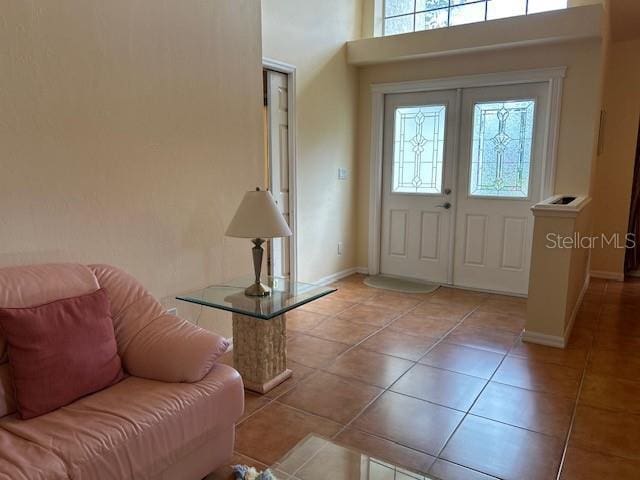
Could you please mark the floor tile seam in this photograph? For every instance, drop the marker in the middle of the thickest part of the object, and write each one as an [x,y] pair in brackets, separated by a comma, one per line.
[463,466]
[360,380]
[308,460]
[518,355]
[390,440]
[605,454]
[577,398]
[443,338]
[469,412]
[432,347]
[271,400]
[439,456]
[414,364]
[249,457]
[360,412]
[451,371]
[532,390]
[305,412]
[475,347]
[328,364]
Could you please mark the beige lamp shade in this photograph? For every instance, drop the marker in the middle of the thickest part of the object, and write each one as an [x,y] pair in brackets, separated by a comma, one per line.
[258,217]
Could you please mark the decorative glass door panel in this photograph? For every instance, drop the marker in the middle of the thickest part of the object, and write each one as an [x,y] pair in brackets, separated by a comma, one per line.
[502,138]
[502,148]
[419,139]
[418,149]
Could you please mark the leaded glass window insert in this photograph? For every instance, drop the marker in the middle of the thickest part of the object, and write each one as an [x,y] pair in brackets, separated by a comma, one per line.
[418,149]
[502,148]
[403,16]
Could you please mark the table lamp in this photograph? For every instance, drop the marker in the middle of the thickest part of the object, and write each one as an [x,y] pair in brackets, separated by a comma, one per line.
[258,218]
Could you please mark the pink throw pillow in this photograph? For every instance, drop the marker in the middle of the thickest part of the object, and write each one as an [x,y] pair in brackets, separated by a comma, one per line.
[60,351]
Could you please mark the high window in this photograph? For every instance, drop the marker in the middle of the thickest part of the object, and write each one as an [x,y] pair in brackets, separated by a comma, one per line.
[403,16]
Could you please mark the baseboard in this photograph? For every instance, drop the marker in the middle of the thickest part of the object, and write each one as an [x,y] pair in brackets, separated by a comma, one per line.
[362,270]
[543,339]
[618,277]
[334,277]
[633,273]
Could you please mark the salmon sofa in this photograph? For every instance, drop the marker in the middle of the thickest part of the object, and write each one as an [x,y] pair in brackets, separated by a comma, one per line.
[172,417]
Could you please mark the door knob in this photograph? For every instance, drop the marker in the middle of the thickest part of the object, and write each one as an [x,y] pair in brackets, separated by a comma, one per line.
[445,205]
[447,191]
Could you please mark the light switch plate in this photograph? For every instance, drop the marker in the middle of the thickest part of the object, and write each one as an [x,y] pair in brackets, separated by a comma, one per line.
[342,173]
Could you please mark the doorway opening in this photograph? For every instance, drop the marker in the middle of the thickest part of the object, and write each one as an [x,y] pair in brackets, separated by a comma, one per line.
[280,161]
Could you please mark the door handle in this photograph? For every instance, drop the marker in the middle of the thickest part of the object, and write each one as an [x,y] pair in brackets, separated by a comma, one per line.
[447,191]
[445,205]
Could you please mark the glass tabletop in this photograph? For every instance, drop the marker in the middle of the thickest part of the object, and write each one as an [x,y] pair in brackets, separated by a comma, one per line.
[285,296]
[316,458]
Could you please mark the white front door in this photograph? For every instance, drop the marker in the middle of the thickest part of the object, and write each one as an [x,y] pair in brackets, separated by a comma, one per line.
[278,146]
[418,179]
[502,140]
[458,184]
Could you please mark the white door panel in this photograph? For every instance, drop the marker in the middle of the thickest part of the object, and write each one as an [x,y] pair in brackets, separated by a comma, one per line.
[501,164]
[278,143]
[418,178]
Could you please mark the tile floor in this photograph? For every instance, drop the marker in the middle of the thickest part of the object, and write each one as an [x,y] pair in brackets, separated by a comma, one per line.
[442,383]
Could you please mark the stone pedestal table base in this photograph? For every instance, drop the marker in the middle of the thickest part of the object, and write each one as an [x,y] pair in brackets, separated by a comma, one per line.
[260,351]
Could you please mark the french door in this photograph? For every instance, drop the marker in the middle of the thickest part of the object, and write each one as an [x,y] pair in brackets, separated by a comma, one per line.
[418,172]
[458,188]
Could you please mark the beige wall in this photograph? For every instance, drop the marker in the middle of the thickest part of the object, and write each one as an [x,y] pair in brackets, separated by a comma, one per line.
[614,169]
[312,38]
[129,132]
[557,277]
[580,106]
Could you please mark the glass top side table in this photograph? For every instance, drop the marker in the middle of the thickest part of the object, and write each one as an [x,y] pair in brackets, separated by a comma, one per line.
[259,325]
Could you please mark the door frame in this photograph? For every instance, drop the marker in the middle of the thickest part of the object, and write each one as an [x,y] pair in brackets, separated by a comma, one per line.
[290,72]
[554,77]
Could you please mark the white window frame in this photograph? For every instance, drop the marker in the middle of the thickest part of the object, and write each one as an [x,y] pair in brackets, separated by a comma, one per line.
[381,9]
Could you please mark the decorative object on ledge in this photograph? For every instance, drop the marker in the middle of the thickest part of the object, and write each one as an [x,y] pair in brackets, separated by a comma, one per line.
[258,218]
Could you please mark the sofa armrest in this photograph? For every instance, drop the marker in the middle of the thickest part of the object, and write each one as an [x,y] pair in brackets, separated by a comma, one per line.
[170,349]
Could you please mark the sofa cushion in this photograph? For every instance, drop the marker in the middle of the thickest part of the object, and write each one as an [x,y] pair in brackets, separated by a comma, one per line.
[32,285]
[23,460]
[60,351]
[136,428]
[7,399]
[132,306]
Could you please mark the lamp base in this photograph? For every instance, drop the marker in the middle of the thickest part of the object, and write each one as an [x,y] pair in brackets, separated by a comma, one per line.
[258,290]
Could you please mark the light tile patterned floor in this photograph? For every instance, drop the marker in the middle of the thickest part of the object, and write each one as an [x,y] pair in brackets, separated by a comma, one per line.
[442,383]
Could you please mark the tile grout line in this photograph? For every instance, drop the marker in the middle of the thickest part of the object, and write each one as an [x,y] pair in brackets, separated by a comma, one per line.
[579,392]
[439,456]
[325,366]
[388,389]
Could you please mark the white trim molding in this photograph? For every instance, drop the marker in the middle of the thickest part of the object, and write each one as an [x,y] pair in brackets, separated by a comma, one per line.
[552,76]
[290,71]
[334,277]
[543,339]
[616,276]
